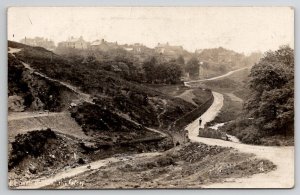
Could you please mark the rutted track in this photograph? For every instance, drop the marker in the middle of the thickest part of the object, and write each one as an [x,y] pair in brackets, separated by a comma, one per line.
[43,182]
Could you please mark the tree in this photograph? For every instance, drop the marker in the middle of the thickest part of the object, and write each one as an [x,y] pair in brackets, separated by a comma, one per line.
[172,73]
[180,61]
[149,68]
[162,71]
[192,67]
[272,85]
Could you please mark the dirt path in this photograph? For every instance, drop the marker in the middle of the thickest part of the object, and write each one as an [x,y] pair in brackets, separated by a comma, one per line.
[214,78]
[43,182]
[12,51]
[84,96]
[281,177]
[16,118]
[125,116]
[282,157]
[23,115]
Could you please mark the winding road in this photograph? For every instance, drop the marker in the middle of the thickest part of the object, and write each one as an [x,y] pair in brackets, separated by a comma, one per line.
[282,157]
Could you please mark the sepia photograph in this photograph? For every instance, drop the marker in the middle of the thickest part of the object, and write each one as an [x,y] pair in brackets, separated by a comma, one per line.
[150,97]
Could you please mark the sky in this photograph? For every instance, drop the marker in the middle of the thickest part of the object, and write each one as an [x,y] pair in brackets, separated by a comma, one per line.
[242,29]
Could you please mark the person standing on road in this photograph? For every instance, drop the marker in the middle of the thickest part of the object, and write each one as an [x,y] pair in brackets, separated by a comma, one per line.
[200,121]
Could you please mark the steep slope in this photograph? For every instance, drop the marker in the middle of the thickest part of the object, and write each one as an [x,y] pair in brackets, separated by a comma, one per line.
[112,115]
[107,90]
[33,92]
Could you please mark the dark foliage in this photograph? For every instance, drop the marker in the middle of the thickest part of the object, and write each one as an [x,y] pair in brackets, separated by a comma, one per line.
[272,84]
[96,118]
[30,87]
[16,83]
[168,72]
[31,144]
[269,110]
[192,67]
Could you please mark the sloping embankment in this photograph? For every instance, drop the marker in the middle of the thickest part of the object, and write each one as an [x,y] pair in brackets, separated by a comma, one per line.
[60,122]
[177,128]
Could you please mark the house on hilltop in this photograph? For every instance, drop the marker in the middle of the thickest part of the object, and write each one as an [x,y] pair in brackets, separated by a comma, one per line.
[76,43]
[136,48]
[103,45]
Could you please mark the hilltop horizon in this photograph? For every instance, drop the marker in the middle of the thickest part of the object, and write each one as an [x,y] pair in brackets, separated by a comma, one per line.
[151,47]
[242,29]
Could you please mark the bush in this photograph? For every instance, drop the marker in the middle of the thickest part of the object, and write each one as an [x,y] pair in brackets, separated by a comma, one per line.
[249,135]
[31,143]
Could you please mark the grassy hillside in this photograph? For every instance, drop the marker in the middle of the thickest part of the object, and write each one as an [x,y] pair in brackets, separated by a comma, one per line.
[117,120]
[113,95]
[236,83]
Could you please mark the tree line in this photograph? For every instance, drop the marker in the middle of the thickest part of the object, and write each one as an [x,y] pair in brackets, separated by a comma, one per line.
[269,109]
[272,99]
[167,72]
